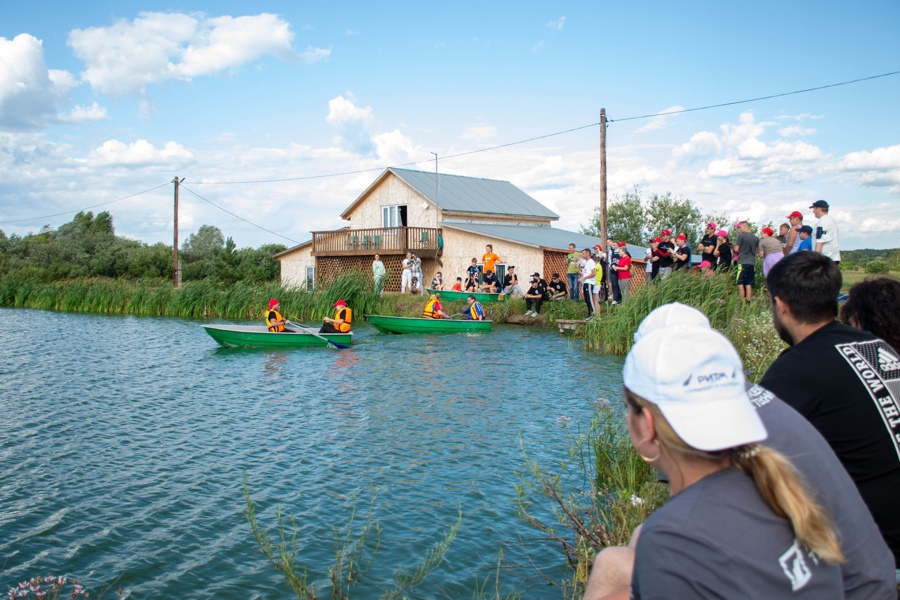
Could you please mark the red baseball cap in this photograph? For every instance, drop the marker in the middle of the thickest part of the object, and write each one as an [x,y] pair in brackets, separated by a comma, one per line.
[340,303]
[622,244]
[598,246]
[272,303]
[682,237]
[665,232]
[768,231]
[796,213]
[656,240]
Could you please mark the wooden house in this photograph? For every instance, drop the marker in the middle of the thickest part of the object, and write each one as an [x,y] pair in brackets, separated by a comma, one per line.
[447,220]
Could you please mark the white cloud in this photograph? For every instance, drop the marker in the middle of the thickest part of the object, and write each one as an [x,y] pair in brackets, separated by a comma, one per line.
[352,124]
[30,94]
[797,130]
[82,114]
[659,121]
[878,168]
[140,153]
[478,132]
[702,144]
[155,47]
[557,24]
[537,47]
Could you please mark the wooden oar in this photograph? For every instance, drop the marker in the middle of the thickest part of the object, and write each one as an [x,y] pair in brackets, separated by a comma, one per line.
[325,339]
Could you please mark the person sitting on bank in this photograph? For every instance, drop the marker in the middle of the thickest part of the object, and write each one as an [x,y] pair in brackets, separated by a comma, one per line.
[457,287]
[433,309]
[343,317]
[274,321]
[534,297]
[415,287]
[490,284]
[471,283]
[511,284]
[437,283]
[558,288]
[475,311]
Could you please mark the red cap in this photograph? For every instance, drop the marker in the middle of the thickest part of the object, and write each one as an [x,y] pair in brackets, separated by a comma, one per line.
[656,240]
[665,232]
[622,244]
[796,213]
[272,303]
[768,231]
[682,237]
[711,226]
[340,303]
[598,246]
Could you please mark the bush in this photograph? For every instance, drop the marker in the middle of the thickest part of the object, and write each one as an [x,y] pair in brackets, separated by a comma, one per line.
[846,265]
[877,266]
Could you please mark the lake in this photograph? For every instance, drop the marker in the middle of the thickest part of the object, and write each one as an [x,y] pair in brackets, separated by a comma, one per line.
[125,440]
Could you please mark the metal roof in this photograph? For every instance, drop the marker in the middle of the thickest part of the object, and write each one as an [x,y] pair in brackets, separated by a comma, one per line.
[474,195]
[543,237]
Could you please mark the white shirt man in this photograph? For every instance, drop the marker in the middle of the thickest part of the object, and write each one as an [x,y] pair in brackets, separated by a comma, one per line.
[826,232]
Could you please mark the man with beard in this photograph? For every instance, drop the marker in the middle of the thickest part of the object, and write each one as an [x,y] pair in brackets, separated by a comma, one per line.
[845,381]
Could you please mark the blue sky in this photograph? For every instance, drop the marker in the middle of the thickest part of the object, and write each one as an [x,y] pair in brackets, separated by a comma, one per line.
[102,100]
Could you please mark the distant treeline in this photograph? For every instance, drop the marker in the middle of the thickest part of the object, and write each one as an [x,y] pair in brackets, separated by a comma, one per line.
[861,258]
[88,247]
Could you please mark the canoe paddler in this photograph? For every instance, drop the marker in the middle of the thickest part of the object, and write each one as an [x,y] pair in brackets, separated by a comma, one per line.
[474,311]
[343,317]
[274,321]
[433,309]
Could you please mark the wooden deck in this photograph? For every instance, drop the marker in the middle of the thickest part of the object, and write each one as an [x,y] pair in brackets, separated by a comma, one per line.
[383,240]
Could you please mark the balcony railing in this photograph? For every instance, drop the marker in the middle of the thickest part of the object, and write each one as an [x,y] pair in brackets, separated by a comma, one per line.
[385,240]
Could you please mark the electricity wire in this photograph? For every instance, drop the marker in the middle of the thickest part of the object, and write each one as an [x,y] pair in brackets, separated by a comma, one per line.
[237,216]
[69,212]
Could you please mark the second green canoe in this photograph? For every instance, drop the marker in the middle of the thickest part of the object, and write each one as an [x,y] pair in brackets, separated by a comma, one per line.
[387,324]
[480,296]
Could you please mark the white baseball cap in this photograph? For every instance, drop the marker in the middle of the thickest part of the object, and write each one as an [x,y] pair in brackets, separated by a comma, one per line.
[695,376]
[674,314]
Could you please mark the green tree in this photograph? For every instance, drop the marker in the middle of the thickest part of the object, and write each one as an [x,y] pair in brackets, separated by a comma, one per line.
[203,245]
[625,219]
[680,215]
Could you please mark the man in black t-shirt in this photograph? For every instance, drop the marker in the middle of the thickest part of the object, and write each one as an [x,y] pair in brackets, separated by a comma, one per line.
[708,244]
[511,283]
[846,382]
[664,250]
[612,260]
[682,254]
[534,297]
[557,288]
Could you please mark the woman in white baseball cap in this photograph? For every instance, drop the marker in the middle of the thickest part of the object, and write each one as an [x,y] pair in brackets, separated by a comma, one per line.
[740,522]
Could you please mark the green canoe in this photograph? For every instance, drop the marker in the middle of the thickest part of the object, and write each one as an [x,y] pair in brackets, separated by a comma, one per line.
[480,296]
[414,325]
[260,336]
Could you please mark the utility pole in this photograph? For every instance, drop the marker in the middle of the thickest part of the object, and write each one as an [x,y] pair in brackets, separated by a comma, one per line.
[603,177]
[176,266]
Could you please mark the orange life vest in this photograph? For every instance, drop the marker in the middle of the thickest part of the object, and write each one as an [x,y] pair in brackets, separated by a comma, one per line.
[344,314]
[431,308]
[274,328]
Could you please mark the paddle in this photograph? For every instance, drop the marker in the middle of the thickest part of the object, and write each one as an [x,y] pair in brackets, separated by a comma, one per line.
[325,339]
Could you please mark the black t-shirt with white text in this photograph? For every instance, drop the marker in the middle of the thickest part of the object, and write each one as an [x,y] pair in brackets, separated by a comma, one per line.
[846,382]
[558,286]
[708,240]
[665,259]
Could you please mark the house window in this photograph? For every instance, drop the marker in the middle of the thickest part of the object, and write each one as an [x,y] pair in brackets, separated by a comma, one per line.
[393,216]
[500,272]
[310,278]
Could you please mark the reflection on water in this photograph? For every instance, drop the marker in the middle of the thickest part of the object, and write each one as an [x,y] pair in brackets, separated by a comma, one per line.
[126,439]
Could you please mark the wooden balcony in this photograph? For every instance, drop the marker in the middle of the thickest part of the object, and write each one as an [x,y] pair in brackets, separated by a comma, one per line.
[385,240]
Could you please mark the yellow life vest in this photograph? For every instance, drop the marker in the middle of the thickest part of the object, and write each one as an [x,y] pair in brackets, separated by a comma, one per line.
[346,317]
[476,312]
[274,328]
[430,312]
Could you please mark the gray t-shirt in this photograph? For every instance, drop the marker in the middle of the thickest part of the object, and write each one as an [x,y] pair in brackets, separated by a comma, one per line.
[718,539]
[869,569]
[747,244]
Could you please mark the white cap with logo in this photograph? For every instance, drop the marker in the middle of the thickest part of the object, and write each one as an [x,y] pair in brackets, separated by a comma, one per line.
[695,376]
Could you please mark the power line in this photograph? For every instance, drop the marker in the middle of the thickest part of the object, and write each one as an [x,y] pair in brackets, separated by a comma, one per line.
[237,216]
[814,89]
[69,212]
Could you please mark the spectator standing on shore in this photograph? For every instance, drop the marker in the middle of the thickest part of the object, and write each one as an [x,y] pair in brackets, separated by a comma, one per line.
[746,247]
[723,251]
[511,284]
[612,262]
[805,237]
[654,258]
[873,306]
[708,243]
[416,268]
[783,230]
[601,287]
[406,273]
[573,259]
[770,249]
[826,232]
[489,259]
[648,264]
[378,274]
[624,268]
[587,280]
[682,254]
[841,380]
[793,240]
[665,250]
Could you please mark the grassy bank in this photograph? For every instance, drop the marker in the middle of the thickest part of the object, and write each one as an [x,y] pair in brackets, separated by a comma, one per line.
[747,325]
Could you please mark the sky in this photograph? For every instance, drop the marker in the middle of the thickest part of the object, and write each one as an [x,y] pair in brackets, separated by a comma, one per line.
[279,114]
